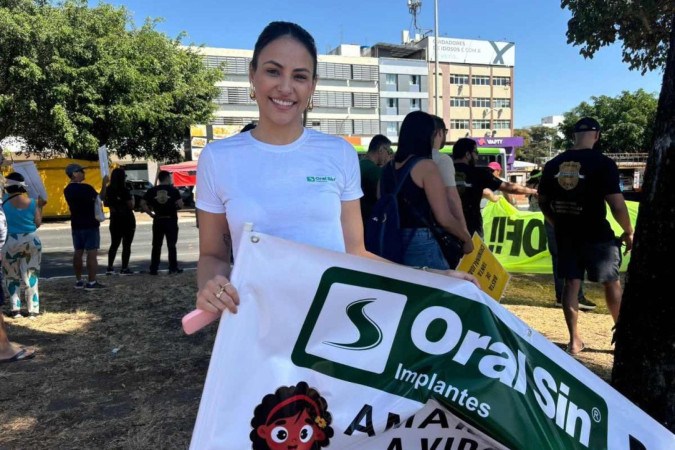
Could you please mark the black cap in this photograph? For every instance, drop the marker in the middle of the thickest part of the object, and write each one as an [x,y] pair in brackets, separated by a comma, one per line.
[586,124]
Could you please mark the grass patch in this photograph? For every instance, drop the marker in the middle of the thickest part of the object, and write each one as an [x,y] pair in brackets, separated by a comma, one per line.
[114,370]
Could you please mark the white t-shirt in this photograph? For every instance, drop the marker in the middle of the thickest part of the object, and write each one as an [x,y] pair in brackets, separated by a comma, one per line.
[290,191]
[446,166]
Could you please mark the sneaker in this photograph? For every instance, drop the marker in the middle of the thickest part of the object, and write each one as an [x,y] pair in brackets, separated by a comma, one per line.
[79,284]
[558,303]
[126,271]
[586,305]
[93,286]
[175,271]
[13,314]
[110,271]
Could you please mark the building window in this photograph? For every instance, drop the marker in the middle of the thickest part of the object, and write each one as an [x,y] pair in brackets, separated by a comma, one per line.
[461,102]
[480,102]
[459,79]
[502,103]
[392,103]
[391,79]
[501,81]
[480,125]
[392,128]
[459,124]
[480,80]
[415,80]
[502,124]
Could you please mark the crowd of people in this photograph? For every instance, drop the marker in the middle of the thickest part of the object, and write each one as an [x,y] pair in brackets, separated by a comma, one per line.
[437,195]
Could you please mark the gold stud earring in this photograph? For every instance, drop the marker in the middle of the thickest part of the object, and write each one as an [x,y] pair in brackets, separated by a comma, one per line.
[251,92]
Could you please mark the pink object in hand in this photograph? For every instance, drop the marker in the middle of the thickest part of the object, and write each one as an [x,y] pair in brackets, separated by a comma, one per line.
[197,319]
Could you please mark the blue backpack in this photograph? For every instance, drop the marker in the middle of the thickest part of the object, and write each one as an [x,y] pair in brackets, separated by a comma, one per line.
[383,230]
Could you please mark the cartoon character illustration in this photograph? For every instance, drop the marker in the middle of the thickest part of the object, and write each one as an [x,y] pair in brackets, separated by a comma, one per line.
[294,417]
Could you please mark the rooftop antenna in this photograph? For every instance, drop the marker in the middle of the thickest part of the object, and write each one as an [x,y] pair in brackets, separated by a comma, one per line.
[415,8]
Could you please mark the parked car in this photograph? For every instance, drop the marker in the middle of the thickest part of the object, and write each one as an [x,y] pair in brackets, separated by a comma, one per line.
[138,189]
[187,196]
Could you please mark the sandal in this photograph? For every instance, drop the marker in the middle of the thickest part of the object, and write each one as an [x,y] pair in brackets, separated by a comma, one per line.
[21,355]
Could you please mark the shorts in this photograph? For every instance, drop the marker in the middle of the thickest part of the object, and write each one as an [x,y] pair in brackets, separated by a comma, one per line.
[86,239]
[421,249]
[600,261]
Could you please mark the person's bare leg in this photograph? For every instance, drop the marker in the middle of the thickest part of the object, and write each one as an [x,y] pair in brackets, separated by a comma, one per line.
[613,293]
[92,264]
[570,303]
[7,349]
[77,263]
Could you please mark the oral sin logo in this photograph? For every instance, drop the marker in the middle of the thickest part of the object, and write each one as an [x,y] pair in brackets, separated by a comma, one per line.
[347,330]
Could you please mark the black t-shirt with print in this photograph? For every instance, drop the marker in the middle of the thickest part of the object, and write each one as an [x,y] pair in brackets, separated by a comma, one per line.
[162,200]
[575,184]
[471,181]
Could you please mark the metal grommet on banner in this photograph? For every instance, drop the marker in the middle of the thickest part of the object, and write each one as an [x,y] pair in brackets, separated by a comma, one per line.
[255,239]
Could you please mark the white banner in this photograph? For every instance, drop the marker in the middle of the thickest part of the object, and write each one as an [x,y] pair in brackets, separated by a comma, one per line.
[470,51]
[103,163]
[34,184]
[330,350]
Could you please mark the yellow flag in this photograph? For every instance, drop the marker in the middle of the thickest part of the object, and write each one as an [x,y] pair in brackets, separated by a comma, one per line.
[482,264]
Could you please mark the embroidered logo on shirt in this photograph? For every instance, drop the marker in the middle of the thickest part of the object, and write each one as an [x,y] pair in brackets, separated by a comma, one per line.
[568,175]
[325,179]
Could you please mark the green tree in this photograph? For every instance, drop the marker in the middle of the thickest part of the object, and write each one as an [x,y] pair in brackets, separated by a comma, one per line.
[644,359]
[627,121]
[539,143]
[77,78]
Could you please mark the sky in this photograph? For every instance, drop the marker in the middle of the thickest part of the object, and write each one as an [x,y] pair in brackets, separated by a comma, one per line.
[551,77]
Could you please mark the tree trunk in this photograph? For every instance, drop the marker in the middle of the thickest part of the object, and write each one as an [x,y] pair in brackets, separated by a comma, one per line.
[644,358]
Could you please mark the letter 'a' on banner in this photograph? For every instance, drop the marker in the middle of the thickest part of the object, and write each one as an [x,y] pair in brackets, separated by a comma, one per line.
[334,351]
[483,264]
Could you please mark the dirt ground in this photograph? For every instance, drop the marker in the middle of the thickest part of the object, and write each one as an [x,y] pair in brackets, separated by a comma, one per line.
[114,370]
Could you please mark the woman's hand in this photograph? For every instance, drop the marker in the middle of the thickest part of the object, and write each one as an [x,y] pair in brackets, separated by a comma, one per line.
[467,247]
[218,295]
[462,276]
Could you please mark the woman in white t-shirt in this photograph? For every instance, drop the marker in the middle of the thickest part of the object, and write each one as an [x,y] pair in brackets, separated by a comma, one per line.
[291,182]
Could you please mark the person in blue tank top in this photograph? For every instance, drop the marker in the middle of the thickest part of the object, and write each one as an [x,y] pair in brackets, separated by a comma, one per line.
[22,252]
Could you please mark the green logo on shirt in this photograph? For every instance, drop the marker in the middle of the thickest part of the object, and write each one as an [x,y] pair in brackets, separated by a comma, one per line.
[320,179]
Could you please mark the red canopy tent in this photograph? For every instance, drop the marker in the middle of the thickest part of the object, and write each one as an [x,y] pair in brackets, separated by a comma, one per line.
[184,174]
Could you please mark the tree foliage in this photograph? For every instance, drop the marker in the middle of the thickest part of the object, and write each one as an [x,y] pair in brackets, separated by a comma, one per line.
[539,142]
[74,78]
[643,27]
[627,121]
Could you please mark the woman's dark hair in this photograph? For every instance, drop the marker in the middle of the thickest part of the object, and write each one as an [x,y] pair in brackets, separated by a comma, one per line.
[15,176]
[276,30]
[117,179]
[415,137]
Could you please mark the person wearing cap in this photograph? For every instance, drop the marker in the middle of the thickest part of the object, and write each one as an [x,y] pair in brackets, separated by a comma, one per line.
[488,194]
[575,188]
[472,180]
[81,199]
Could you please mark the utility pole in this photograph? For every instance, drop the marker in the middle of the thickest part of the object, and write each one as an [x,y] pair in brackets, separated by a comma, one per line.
[436,57]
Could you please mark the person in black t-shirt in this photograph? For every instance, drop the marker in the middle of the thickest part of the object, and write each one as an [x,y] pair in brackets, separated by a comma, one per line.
[81,199]
[162,203]
[122,220]
[471,181]
[575,189]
